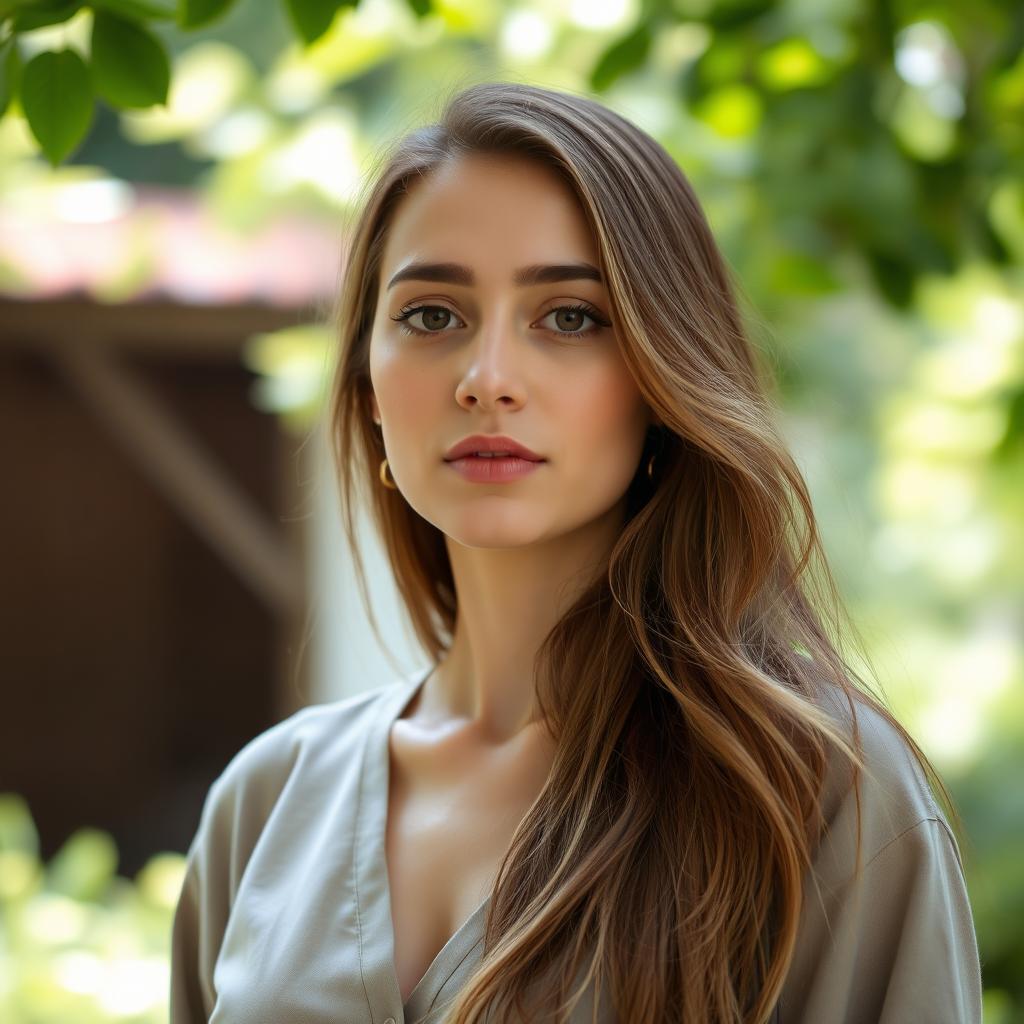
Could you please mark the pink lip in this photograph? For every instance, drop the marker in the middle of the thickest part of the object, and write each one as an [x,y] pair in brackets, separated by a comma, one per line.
[497,470]
[469,446]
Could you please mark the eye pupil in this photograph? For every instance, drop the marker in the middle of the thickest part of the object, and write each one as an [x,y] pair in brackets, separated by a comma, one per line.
[571,314]
[436,311]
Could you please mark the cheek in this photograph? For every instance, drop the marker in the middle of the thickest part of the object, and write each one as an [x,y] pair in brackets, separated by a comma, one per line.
[604,413]
[398,385]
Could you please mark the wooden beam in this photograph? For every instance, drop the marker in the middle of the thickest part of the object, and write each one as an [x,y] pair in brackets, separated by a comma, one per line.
[158,327]
[174,460]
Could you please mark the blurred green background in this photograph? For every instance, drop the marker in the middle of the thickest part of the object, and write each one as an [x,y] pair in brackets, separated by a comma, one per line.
[862,165]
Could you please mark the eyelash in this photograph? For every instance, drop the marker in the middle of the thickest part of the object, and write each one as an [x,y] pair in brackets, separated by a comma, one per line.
[582,307]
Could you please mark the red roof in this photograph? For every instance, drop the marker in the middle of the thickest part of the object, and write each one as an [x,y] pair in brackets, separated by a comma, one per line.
[126,243]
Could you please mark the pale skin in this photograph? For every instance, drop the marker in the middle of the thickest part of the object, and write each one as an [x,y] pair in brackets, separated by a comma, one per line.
[468,756]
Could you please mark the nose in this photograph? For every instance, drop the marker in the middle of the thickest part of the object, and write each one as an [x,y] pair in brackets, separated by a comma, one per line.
[493,376]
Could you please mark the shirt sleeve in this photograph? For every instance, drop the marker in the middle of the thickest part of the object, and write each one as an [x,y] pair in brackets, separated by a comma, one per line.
[234,814]
[201,914]
[895,945]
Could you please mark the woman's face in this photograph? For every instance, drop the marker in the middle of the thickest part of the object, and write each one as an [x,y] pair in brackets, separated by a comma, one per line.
[490,355]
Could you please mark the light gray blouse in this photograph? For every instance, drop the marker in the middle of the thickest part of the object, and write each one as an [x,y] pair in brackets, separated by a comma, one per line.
[284,916]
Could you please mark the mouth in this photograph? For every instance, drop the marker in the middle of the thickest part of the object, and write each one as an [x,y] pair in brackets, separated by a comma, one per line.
[491,447]
[494,468]
[493,457]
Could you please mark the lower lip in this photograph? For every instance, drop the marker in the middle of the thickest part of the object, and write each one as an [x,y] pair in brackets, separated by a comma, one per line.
[499,470]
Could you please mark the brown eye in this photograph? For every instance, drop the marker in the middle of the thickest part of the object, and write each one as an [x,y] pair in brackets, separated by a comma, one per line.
[569,320]
[435,319]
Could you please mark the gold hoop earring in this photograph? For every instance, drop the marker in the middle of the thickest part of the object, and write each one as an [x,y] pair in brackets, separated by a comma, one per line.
[650,468]
[384,476]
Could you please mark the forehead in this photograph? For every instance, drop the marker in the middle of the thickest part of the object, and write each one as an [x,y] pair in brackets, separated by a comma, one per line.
[489,210]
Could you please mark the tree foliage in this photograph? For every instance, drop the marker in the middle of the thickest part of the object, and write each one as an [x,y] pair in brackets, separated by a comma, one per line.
[127,66]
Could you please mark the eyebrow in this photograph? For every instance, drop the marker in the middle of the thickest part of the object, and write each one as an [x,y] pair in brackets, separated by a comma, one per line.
[537,273]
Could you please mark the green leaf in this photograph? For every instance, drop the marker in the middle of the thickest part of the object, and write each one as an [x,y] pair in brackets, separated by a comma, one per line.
[893,276]
[17,829]
[48,12]
[193,13]
[10,72]
[421,8]
[84,867]
[312,18]
[728,15]
[129,64]
[624,55]
[56,95]
[138,10]
[8,7]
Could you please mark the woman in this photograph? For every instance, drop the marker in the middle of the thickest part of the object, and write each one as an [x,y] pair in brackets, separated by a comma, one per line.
[638,780]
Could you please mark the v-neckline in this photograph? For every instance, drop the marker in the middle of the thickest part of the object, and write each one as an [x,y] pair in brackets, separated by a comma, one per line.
[373,889]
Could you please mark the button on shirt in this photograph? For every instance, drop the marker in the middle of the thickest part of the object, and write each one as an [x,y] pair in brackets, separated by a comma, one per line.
[285,912]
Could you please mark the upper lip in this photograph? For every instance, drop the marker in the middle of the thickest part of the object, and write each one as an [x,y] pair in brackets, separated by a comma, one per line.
[490,443]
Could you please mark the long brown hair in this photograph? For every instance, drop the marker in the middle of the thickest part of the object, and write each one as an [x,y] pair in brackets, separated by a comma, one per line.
[686,685]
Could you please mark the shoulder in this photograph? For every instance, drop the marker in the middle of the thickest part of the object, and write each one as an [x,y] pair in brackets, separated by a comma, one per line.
[259,771]
[886,936]
[895,796]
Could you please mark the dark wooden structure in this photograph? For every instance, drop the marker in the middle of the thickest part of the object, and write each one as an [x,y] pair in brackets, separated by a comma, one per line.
[151,538]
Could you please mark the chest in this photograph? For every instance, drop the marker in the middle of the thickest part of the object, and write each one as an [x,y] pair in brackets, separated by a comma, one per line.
[445,839]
